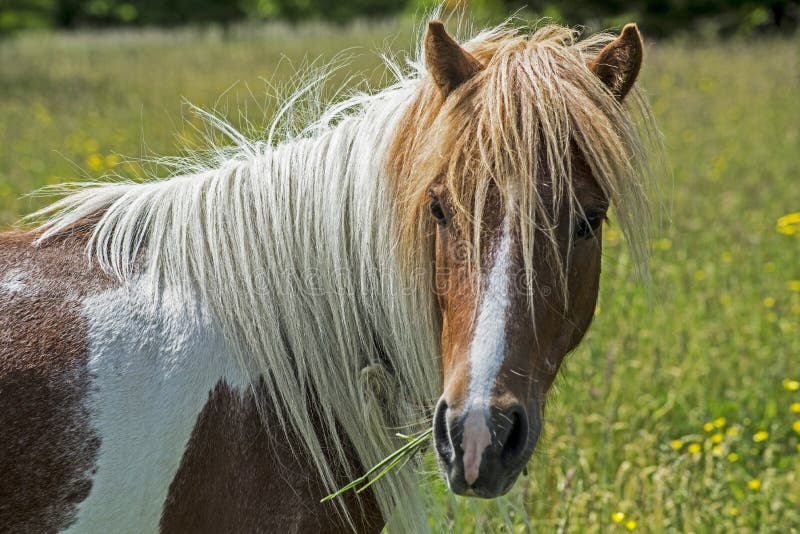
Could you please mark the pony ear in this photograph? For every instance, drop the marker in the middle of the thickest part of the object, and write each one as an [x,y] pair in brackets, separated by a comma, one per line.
[449,64]
[618,64]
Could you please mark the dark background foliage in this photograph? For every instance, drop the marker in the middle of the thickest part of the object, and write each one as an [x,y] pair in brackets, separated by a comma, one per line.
[657,17]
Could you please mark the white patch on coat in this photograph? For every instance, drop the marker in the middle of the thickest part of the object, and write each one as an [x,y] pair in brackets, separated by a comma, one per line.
[13,281]
[152,369]
[486,355]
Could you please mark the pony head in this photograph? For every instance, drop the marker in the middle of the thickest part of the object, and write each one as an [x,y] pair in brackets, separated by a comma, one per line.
[512,155]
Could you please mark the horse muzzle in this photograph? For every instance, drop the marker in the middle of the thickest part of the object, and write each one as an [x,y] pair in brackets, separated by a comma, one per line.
[482,449]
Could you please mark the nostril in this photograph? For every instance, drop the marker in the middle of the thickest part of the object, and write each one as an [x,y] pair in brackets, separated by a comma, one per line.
[517,436]
[441,434]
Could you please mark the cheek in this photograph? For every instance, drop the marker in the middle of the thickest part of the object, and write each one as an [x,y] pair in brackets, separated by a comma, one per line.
[455,350]
[455,299]
[447,358]
[453,281]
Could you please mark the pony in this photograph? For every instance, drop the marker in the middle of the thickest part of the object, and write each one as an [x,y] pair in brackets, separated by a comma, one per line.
[219,349]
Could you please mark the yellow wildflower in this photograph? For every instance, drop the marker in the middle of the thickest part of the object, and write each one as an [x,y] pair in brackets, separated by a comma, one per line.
[664,244]
[795,407]
[717,450]
[694,448]
[768,302]
[733,457]
[618,517]
[708,427]
[631,525]
[796,426]
[793,285]
[732,430]
[791,385]
[676,444]
[789,224]
[717,438]
[754,484]
[700,275]
[719,422]
[787,229]
[94,162]
[758,437]
[727,257]
[734,511]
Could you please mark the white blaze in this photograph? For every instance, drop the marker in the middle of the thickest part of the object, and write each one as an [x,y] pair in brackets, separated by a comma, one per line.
[486,354]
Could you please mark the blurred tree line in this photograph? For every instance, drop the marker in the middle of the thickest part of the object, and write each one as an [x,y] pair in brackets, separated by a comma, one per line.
[659,17]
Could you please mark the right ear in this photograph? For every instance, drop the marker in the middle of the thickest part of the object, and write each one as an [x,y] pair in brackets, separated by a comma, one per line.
[618,64]
[449,64]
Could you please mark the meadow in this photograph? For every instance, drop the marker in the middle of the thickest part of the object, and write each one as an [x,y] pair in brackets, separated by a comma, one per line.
[680,411]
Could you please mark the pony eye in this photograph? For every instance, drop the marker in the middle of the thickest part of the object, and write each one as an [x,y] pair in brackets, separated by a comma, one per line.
[588,226]
[437,211]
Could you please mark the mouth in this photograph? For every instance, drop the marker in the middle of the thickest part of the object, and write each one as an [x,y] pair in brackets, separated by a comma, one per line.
[498,472]
[482,492]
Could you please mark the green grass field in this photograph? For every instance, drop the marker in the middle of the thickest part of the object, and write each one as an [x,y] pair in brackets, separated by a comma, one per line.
[680,411]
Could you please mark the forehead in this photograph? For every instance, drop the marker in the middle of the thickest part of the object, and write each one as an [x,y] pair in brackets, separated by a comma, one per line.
[469,154]
[584,189]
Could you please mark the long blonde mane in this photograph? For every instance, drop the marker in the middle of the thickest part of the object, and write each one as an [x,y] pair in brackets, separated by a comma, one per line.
[313,253]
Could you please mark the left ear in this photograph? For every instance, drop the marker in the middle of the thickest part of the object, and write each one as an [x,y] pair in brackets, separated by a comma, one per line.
[449,64]
[619,62]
